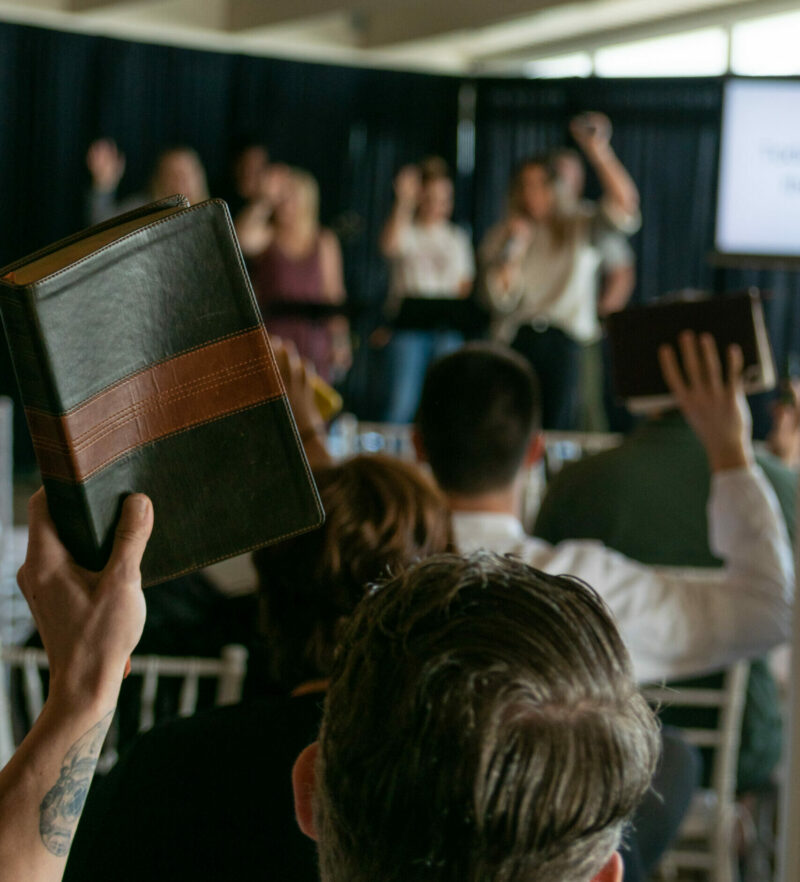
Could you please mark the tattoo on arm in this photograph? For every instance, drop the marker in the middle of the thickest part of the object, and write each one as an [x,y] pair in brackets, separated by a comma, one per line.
[63,803]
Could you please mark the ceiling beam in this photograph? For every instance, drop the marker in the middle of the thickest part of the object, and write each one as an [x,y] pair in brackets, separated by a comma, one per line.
[246,15]
[88,5]
[723,15]
[405,22]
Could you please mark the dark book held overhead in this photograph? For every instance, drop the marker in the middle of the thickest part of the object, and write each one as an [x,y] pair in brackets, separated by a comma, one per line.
[636,333]
[144,366]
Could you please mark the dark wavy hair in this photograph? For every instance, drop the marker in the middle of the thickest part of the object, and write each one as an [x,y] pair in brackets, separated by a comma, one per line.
[482,725]
[381,515]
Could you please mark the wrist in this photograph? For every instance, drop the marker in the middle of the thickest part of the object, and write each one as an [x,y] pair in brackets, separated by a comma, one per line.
[601,152]
[68,706]
[89,690]
[729,458]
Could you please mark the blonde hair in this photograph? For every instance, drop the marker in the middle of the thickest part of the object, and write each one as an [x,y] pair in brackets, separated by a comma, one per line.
[308,188]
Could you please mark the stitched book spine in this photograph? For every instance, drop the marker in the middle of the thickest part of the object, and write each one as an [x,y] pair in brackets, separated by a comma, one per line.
[26,350]
[30,366]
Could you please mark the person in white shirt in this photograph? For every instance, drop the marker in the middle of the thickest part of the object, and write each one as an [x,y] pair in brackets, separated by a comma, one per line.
[477,426]
[540,264]
[429,257]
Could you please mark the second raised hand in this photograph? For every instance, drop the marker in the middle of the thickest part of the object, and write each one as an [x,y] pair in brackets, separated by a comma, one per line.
[714,407]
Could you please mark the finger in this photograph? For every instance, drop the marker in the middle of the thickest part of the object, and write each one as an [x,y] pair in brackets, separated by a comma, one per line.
[735,368]
[288,360]
[690,358]
[291,351]
[711,362]
[671,371]
[130,539]
[296,366]
[281,358]
[44,546]
[21,580]
[309,371]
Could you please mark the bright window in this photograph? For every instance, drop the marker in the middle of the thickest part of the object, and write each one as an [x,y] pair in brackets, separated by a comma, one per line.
[578,64]
[692,54]
[767,46]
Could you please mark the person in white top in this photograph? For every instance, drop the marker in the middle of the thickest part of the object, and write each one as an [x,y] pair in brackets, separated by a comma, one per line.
[540,264]
[477,427]
[429,257]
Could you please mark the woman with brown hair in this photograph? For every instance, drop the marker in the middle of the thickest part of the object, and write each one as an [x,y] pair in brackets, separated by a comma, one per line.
[210,797]
[541,265]
[381,515]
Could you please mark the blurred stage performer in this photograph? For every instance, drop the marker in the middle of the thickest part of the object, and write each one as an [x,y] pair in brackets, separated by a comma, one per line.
[296,268]
[540,265]
[430,257]
[617,279]
[249,164]
[178,169]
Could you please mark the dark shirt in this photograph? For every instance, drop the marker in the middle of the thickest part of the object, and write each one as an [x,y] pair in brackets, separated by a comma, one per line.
[204,798]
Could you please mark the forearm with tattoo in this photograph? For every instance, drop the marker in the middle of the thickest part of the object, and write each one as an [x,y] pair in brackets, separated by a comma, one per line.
[62,805]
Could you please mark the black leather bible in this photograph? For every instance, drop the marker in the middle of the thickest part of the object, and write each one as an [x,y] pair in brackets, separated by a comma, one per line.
[636,333]
[144,366]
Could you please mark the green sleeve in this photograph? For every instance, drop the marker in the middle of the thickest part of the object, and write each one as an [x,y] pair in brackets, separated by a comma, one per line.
[548,520]
[784,483]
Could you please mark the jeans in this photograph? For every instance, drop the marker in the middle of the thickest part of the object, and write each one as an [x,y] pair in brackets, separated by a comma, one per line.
[408,355]
[555,357]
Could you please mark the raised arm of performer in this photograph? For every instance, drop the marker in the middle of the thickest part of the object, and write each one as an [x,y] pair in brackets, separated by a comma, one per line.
[592,132]
[89,624]
[407,190]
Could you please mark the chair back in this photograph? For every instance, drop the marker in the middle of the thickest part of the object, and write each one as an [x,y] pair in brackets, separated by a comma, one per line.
[228,670]
[705,840]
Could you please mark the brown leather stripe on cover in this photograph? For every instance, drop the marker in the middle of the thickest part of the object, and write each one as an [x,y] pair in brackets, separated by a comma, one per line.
[195,387]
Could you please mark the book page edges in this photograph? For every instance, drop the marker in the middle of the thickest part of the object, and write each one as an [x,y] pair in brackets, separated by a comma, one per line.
[51,263]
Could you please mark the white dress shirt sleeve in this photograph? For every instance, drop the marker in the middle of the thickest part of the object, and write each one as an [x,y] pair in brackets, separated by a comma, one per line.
[680,622]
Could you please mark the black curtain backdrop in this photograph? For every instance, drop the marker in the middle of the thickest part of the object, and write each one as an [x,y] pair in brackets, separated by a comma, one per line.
[352,128]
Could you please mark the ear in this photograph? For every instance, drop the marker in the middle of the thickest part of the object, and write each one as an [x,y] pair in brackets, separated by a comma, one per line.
[304,784]
[419,447]
[535,451]
[612,871]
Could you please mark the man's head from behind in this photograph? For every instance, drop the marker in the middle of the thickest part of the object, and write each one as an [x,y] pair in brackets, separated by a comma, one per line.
[482,725]
[478,413]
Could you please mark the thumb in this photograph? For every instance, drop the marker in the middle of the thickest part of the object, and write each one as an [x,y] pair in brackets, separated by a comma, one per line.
[133,531]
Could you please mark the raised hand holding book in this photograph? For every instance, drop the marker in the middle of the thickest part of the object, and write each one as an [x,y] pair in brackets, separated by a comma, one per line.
[144,366]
